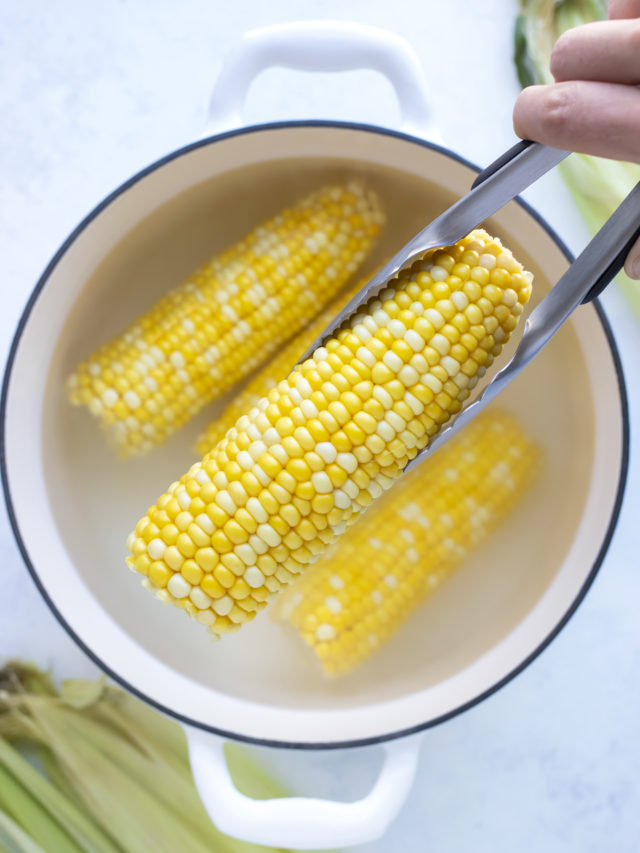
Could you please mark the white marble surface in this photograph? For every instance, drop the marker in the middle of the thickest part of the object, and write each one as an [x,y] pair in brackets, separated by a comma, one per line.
[92,92]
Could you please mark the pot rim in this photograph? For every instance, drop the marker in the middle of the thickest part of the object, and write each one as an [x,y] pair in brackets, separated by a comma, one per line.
[93,656]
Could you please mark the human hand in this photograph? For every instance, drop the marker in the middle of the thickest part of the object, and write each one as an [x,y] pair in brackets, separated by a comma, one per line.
[594,105]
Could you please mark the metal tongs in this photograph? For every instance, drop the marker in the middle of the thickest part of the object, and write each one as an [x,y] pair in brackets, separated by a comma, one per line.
[586,278]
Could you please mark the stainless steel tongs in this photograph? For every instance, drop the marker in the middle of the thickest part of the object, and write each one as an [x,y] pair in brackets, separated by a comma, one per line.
[588,275]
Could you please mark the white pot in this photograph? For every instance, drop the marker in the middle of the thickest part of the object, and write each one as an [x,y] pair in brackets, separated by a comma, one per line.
[71,505]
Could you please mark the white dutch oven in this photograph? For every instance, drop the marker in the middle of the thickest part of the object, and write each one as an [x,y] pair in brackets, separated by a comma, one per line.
[71,505]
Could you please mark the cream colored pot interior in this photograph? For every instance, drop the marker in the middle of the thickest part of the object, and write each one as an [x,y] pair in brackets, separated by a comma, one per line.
[74,504]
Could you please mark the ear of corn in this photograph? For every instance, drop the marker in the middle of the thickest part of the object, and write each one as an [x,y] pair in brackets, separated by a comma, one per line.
[290,477]
[226,318]
[355,597]
[275,370]
[111,775]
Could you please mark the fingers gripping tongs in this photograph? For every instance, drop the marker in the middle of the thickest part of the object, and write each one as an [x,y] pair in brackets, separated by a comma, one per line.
[588,275]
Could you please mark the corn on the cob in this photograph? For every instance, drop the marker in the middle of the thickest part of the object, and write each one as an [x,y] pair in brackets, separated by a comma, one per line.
[226,318]
[291,475]
[272,372]
[355,597]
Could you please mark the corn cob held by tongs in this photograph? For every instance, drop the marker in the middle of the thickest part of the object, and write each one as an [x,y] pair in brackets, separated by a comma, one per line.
[291,475]
[289,478]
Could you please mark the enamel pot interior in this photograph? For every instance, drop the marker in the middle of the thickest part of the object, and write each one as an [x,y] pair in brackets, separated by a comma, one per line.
[72,504]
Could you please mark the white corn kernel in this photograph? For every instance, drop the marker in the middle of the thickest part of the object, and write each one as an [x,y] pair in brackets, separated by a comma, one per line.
[393,361]
[200,598]
[178,586]
[327,451]
[321,482]
[254,577]
[156,549]
[223,606]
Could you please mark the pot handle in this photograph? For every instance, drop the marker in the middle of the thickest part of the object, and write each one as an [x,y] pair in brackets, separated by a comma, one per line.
[301,822]
[323,46]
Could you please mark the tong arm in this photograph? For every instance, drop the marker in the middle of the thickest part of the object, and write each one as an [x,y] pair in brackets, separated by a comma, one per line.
[512,172]
[587,276]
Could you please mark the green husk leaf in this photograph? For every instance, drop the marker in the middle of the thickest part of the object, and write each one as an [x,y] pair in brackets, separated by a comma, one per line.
[598,185]
[55,775]
[13,839]
[521,58]
[572,13]
[250,779]
[136,755]
[21,677]
[539,25]
[146,801]
[168,737]
[39,808]
[80,693]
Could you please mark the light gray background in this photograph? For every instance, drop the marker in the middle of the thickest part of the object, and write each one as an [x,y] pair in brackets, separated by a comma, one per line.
[92,92]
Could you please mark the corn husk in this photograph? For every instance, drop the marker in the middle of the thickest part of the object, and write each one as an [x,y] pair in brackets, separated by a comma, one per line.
[90,769]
